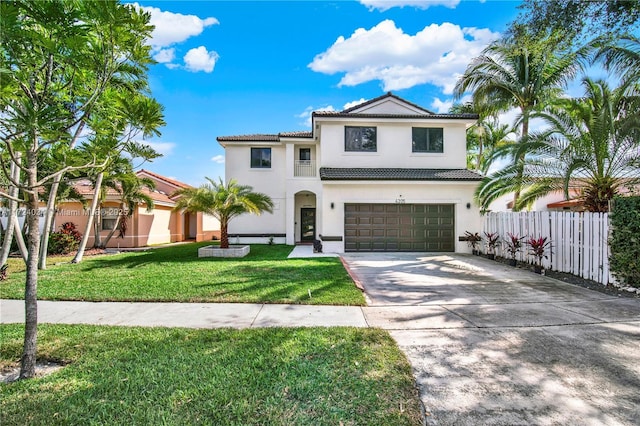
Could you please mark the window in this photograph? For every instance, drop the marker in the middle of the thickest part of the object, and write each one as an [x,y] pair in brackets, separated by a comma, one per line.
[427,139]
[360,139]
[109,217]
[305,154]
[261,158]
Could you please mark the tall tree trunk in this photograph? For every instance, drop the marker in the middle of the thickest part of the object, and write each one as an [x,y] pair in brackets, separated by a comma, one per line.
[51,203]
[224,235]
[28,364]
[17,234]
[92,211]
[48,221]
[520,160]
[97,227]
[12,219]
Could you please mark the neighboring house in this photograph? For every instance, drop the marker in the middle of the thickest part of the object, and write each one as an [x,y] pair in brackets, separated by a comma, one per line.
[385,175]
[157,226]
[554,201]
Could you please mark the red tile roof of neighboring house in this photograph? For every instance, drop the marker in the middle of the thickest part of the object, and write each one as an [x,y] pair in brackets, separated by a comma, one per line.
[566,203]
[165,179]
[85,188]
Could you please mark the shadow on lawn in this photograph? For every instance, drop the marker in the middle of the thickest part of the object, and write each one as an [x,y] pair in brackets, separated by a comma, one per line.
[182,254]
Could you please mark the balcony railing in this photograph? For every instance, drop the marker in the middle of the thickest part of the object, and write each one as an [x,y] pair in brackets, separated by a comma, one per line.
[304,168]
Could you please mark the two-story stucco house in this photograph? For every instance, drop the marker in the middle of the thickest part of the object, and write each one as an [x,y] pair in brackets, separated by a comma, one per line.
[385,175]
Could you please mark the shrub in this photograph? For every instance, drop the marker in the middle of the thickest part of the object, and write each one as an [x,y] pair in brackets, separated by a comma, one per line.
[66,240]
[538,248]
[513,244]
[492,239]
[625,240]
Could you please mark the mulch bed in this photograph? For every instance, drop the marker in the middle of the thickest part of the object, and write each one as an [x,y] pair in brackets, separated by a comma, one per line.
[576,280]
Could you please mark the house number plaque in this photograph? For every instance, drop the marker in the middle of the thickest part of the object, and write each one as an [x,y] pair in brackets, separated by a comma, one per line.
[400,200]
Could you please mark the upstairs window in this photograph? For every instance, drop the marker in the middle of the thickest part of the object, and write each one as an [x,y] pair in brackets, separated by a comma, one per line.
[260,158]
[305,154]
[360,139]
[427,139]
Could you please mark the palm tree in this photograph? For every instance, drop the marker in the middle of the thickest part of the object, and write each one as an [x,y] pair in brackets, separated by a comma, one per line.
[592,145]
[223,201]
[516,73]
[132,190]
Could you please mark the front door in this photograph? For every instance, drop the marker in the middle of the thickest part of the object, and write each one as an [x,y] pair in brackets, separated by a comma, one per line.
[307,224]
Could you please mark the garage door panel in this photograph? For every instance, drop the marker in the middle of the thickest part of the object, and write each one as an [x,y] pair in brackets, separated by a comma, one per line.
[399,227]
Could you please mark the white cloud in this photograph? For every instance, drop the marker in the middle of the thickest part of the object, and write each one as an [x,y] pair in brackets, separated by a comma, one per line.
[172,28]
[440,106]
[438,54]
[354,103]
[165,55]
[383,5]
[199,59]
[164,148]
[306,114]
[219,159]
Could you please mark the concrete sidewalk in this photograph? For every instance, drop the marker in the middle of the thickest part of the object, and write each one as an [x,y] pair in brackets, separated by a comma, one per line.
[189,315]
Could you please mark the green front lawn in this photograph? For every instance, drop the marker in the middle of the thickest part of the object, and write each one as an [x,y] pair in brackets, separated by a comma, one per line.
[121,375]
[177,274]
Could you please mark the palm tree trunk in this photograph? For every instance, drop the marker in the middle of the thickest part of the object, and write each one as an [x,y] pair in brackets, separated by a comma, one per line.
[97,228]
[92,211]
[48,221]
[49,215]
[224,234]
[520,160]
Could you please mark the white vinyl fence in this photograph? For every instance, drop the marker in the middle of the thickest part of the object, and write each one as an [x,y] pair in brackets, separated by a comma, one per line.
[579,241]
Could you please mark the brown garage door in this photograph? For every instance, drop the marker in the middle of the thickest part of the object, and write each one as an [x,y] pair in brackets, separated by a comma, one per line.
[399,227]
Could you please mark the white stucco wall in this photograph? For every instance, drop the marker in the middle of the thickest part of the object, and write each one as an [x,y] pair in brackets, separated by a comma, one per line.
[394,146]
[459,194]
[269,181]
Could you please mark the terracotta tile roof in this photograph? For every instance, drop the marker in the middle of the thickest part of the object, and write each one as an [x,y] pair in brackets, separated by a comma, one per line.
[300,134]
[249,138]
[379,98]
[330,173]
[412,116]
[159,197]
[265,137]
[565,203]
[165,179]
[85,188]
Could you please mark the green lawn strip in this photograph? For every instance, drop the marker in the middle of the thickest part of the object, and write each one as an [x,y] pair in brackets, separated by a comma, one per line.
[279,376]
[177,274]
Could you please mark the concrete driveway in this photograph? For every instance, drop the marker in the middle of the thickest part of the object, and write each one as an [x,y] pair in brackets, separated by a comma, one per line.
[494,345]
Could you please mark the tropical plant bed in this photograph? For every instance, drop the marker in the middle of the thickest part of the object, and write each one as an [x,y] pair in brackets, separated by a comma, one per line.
[176,274]
[575,280]
[122,375]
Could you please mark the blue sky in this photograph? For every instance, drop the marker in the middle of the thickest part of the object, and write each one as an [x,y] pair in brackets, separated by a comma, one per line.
[240,67]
